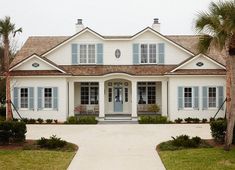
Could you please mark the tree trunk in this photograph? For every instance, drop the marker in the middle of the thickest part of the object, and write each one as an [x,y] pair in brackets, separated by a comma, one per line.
[230,106]
[9,115]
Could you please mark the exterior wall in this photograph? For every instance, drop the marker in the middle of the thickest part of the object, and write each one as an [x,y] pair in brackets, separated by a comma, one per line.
[28,65]
[173,55]
[61,83]
[200,81]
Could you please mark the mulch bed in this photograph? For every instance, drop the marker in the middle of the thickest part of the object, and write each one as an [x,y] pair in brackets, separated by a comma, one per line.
[15,146]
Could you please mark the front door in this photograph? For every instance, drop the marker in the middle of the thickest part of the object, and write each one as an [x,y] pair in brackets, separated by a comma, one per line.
[118,99]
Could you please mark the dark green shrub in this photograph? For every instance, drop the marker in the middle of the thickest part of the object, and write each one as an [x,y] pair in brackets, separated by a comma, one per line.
[25,120]
[186,142]
[152,119]
[31,121]
[40,121]
[178,120]
[3,111]
[12,131]
[204,120]
[196,140]
[49,121]
[218,130]
[55,121]
[87,120]
[72,120]
[196,120]
[52,143]
[212,119]
[188,120]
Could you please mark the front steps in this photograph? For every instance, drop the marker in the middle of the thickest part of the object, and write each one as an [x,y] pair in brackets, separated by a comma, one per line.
[118,119]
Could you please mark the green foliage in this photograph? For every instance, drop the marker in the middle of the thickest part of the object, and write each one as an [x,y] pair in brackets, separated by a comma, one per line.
[204,120]
[72,120]
[31,121]
[152,119]
[188,120]
[56,121]
[87,120]
[12,131]
[178,120]
[3,93]
[196,120]
[49,121]
[52,143]
[3,111]
[153,108]
[40,121]
[25,120]
[218,130]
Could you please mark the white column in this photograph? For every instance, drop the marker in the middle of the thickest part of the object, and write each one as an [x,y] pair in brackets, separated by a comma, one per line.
[134,99]
[71,98]
[101,100]
[164,98]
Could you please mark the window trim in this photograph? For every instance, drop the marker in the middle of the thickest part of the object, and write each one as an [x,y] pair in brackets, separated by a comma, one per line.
[43,98]
[89,85]
[19,94]
[148,53]
[87,52]
[146,90]
[216,97]
[188,108]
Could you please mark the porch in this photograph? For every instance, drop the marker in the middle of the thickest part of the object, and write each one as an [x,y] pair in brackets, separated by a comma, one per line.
[117,97]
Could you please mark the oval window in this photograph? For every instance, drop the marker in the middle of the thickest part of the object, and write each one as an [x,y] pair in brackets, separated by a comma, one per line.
[117,53]
[35,65]
[199,64]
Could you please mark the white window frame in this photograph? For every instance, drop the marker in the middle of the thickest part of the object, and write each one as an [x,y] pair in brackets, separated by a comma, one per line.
[216,97]
[186,108]
[89,85]
[148,54]
[19,102]
[146,90]
[87,54]
[43,98]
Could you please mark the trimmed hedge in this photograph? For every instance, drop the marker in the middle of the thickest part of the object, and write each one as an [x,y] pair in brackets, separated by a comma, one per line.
[218,130]
[153,119]
[52,143]
[81,120]
[12,132]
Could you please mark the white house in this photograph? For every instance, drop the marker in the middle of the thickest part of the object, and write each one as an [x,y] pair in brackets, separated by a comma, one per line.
[88,73]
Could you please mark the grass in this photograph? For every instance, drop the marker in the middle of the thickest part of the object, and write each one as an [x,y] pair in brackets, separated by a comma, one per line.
[35,159]
[197,159]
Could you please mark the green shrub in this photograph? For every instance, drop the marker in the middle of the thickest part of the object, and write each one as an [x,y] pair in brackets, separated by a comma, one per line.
[178,120]
[49,121]
[153,108]
[72,120]
[3,111]
[87,120]
[52,143]
[55,121]
[31,121]
[40,121]
[152,119]
[186,142]
[188,120]
[218,130]
[12,131]
[25,120]
[204,120]
[196,120]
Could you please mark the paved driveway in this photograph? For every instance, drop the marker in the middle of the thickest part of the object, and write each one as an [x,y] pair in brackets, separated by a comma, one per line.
[117,147]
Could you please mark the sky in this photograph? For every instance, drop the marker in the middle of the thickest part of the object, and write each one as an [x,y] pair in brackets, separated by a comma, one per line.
[107,17]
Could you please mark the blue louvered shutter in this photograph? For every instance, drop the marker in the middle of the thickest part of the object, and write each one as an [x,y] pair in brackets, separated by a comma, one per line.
[16,97]
[74,54]
[180,98]
[31,98]
[204,98]
[40,107]
[220,96]
[55,98]
[135,51]
[100,54]
[196,98]
[161,53]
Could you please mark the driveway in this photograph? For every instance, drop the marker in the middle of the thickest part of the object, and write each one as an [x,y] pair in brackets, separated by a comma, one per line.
[117,147]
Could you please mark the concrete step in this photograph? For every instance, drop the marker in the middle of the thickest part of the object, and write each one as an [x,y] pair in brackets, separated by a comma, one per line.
[118,122]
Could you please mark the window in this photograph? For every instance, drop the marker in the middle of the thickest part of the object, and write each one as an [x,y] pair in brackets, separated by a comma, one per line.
[146,93]
[110,94]
[152,53]
[126,94]
[89,93]
[144,53]
[148,53]
[47,97]
[24,95]
[87,53]
[212,97]
[187,97]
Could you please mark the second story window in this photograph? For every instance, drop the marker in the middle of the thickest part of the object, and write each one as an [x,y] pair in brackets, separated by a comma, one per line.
[148,53]
[87,54]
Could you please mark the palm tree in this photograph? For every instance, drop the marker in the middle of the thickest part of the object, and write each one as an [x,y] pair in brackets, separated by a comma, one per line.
[6,30]
[217,27]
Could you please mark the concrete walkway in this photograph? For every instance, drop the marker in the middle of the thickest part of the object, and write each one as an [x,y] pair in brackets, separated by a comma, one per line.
[117,147]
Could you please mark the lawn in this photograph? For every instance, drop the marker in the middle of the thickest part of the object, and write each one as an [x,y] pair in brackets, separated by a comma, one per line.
[35,159]
[197,159]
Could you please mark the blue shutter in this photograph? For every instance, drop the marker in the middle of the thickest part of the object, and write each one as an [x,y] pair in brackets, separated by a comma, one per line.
[55,98]
[220,96]
[135,51]
[40,107]
[74,54]
[31,98]
[204,98]
[161,53]
[100,54]
[196,98]
[16,97]
[180,98]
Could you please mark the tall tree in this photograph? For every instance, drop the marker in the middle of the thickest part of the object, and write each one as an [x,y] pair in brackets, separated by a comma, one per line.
[6,30]
[217,27]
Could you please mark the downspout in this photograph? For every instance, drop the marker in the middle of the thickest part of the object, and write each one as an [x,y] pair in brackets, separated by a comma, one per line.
[68,97]
[167,97]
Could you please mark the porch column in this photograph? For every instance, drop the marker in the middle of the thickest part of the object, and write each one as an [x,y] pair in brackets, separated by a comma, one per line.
[134,99]
[164,98]
[101,100]
[71,98]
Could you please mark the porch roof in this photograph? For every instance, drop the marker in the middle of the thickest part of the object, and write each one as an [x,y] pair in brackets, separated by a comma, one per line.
[37,73]
[137,70]
[198,72]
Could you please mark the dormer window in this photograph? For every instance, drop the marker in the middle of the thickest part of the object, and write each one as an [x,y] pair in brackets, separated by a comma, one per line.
[148,53]
[87,54]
